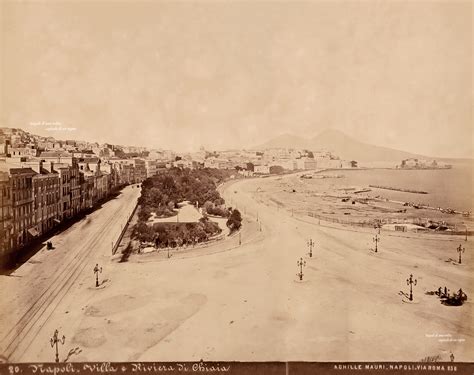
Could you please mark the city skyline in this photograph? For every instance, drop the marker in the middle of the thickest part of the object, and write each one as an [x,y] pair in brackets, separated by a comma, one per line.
[180,76]
[236,186]
[286,141]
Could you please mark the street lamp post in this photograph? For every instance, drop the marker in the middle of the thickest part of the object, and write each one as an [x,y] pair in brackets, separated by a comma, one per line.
[411,282]
[310,245]
[260,226]
[300,263]
[460,250]
[55,340]
[97,269]
[240,238]
[376,239]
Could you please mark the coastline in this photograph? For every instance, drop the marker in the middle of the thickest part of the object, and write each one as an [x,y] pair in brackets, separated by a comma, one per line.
[337,203]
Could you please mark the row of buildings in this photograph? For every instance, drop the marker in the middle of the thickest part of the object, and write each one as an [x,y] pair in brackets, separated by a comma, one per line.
[268,161]
[414,163]
[44,182]
[38,193]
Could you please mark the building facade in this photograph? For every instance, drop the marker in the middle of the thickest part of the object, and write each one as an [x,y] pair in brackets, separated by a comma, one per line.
[22,206]
[6,217]
[46,193]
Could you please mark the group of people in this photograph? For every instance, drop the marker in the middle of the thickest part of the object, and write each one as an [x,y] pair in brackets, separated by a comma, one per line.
[454,299]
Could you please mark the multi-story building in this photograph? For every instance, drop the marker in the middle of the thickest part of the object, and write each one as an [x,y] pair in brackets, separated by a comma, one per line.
[22,151]
[150,166]
[101,185]
[6,218]
[126,170]
[87,190]
[75,188]
[183,164]
[22,206]
[92,174]
[289,165]
[219,163]
[113,170]
[65,190]
[306,163]
[261,169]
[38,192]
[140,169]
[61,157]
[46,194]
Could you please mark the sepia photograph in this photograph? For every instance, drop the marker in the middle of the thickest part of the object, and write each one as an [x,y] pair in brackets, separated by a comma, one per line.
[278,187]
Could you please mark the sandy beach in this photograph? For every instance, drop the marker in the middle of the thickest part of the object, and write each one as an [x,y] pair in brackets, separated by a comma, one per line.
[329,196]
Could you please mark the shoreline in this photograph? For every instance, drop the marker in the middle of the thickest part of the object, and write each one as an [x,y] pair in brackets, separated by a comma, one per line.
[403,190]
[399,189]
[340,204]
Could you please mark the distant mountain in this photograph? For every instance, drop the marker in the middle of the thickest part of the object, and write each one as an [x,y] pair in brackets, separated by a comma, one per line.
[285,141]
[349,148]
[341,145]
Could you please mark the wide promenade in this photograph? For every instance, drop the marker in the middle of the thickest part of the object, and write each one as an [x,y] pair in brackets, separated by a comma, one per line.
[247,303]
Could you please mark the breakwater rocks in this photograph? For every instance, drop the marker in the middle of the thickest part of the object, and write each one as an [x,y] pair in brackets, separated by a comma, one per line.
[399,189]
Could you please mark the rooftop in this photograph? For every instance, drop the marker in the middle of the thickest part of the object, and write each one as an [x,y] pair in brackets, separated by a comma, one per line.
[21,170]
[56,154]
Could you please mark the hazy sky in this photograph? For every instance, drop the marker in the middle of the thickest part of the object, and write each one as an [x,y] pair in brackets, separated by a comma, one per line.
[230,74]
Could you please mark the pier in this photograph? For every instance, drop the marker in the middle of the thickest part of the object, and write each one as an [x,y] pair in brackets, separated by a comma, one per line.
[399,189]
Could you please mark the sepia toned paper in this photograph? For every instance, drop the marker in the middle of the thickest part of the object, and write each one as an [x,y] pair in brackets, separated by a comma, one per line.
[345,133]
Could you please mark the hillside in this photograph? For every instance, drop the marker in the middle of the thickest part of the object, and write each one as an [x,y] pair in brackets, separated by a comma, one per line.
[342,145]
[285,141]
[349,148]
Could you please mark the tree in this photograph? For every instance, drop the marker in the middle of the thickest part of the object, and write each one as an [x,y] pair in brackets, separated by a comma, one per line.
[143,232]
[219,202]
[235,221]
[168,183]
[276,169]
[207,206]
[161,192]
